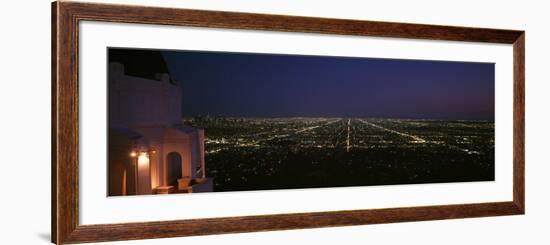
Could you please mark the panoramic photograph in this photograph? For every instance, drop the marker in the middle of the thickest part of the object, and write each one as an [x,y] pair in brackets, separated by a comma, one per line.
[202,121]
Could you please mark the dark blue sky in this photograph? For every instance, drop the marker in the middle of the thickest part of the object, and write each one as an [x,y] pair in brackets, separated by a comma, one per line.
[265,85]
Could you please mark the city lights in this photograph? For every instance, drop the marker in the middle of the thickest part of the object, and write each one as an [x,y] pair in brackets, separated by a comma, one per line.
[344,151]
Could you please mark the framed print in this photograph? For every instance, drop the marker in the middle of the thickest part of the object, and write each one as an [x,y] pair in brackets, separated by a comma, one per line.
[175,122]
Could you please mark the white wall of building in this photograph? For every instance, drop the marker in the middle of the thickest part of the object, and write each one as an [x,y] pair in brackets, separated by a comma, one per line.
[25,129]
[136,101]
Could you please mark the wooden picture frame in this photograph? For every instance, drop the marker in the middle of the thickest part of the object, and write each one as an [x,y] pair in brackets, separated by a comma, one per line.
[65,121]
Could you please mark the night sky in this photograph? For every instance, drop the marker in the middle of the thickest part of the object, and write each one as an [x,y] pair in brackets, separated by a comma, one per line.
[266,85]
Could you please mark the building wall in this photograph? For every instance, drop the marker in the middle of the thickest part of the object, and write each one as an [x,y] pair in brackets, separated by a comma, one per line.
[200,153]
[164,140]
[151,108]
[120,166]
[135,101]
[183,148]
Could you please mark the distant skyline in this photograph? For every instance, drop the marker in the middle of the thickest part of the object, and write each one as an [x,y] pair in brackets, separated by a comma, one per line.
[273,85]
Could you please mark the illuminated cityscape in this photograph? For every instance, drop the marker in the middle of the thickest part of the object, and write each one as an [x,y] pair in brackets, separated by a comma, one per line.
[279,153]
[187,121]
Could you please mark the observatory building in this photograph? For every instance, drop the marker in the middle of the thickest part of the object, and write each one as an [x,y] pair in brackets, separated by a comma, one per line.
[150,150]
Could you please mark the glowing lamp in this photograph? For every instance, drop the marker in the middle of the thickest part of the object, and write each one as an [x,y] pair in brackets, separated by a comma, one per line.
[143,159]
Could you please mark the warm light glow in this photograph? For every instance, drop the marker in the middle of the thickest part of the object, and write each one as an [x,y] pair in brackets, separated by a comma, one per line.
[143,159]
[133,154]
